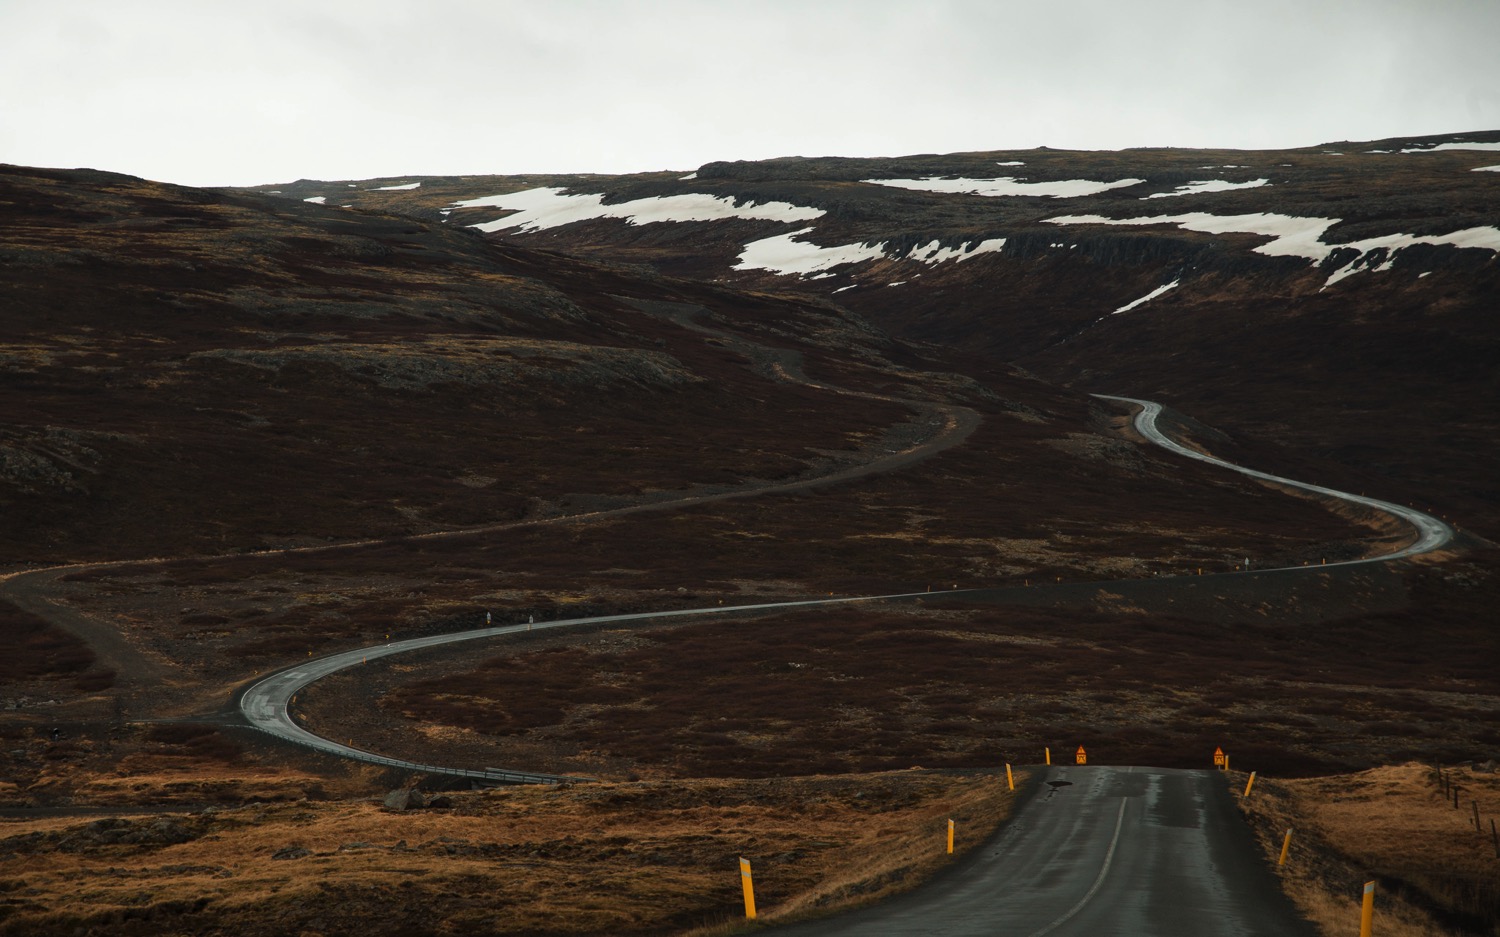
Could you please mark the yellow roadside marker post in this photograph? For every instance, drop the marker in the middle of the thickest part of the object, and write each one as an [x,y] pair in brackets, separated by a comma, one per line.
[1286,844]
[950,837]
[1010,779]
[1047,755]
[1367,912]
[1249,784]
[748,885]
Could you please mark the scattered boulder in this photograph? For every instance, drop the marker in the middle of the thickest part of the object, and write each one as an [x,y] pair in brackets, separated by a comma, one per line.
[441,802]
[404,799]
[291,852]
[164,833]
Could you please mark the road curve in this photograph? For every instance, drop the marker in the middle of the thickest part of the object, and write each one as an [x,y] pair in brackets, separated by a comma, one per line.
[1097,850]
[1432,534]
[266,703]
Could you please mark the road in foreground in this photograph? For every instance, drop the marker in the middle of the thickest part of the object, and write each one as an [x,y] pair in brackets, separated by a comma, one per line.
[1098,851]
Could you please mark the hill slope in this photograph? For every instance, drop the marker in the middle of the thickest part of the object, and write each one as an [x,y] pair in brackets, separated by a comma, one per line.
[1335,299]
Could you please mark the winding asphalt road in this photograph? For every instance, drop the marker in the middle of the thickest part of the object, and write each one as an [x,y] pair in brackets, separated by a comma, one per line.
[266,704]
[1432,534]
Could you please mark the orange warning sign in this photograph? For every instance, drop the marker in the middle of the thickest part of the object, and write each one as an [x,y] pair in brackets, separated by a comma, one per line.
[1219,759]
[1081,756]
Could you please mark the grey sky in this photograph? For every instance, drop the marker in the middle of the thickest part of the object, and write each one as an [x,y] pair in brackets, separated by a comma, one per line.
[207,92]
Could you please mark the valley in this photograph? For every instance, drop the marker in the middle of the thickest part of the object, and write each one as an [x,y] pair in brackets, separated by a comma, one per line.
[250,427]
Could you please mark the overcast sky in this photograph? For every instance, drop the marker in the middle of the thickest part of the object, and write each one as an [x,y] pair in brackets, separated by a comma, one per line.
[228,92]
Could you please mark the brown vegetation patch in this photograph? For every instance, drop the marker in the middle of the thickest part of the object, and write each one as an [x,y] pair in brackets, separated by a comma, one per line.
[648,858]
[1435,872]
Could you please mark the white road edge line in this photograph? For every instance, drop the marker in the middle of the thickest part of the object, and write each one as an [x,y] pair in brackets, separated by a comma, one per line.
[1109,857]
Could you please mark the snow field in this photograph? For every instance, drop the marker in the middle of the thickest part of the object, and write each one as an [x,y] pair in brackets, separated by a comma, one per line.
[1147,298]
[1006,185]
[1292,237]
[784,254]
[1303,237]
[1209,185]
[1450,146]
[544,208]
[397,188]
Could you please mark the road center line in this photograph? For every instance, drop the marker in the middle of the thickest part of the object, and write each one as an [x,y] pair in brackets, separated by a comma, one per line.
[1109,857]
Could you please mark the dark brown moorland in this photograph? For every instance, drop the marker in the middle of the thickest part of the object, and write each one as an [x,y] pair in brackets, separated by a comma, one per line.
[252,429]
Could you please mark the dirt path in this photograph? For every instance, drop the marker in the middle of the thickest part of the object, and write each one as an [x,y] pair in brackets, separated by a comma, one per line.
[33,592]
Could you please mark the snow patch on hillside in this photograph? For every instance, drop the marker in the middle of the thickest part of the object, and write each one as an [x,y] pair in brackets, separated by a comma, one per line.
[544,208]
[397,188]
[1007,185]
[1209,185]
[1451,146]
[784,254]
[1303,237]
[1147,298]
[1485,169]
[316,199]
[1291,236]
[933,252]
[1379,253]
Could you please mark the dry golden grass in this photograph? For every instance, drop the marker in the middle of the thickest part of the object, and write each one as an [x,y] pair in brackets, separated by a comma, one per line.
[1436,873]
[602,858]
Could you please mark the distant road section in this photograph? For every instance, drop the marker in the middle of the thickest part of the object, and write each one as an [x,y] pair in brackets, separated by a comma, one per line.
[1432,534]
[1098,850]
